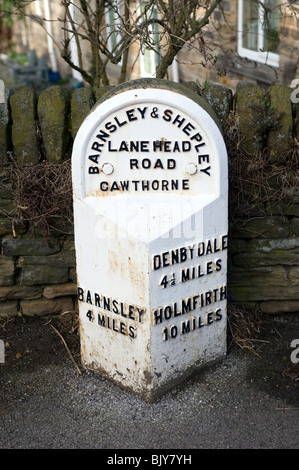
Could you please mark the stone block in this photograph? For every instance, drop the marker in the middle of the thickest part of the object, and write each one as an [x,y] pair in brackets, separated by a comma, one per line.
[249,260]
[59,290]
[262,293]
[30,247]
[20,292]
[100,92]
[36,275]
[81,101]
[265,227]
[291,209]
[6,191]
[268,252]
[73,275]
[53,109]
[273,245]
[220,98]
[7,271]
[5,226]
[10,226]
[237,245]
[249,97]
[286,208]
[277,307]
[24,128]
[295,226]
[292,194]
[5,122]
[193,86]
[272,276]
[42,307]
[7,206]
[279,139]
[294,275]
[8,308]
[68,245]
[58,260]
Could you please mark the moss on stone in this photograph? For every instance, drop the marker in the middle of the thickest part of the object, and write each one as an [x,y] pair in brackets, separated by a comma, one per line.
[101,92]
[221,99]
[53,109]
[249,96]
[279,139]
[24,127]
[82,101]
[265,292]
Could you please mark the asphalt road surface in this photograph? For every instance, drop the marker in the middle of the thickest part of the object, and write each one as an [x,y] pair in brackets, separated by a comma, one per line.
[248,401]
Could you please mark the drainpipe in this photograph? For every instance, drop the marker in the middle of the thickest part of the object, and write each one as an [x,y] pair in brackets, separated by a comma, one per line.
[175,71]
[73,46]
[54,67]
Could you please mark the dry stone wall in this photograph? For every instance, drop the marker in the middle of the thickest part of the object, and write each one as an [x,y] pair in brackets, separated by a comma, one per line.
[37,270]
[37,273]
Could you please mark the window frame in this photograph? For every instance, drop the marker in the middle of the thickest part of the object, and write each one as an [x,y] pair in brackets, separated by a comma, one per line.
[264,57]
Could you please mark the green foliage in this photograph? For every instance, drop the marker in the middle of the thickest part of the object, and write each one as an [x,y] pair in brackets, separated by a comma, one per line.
[18,57]
[272,39]
[11,8]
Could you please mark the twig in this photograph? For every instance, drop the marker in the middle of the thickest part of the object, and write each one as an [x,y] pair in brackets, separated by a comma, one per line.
[69,352]
[254,339]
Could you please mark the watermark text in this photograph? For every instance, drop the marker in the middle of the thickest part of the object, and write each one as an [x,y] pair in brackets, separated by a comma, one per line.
[295,92]
[2,352]
[295,353]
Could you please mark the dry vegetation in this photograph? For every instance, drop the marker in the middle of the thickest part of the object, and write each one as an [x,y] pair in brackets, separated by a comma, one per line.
[255,185]
[43,194]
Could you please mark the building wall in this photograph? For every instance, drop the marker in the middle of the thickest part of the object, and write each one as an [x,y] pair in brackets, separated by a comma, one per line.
[230,68]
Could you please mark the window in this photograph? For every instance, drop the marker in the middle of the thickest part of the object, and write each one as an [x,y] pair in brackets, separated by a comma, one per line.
[258,30]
